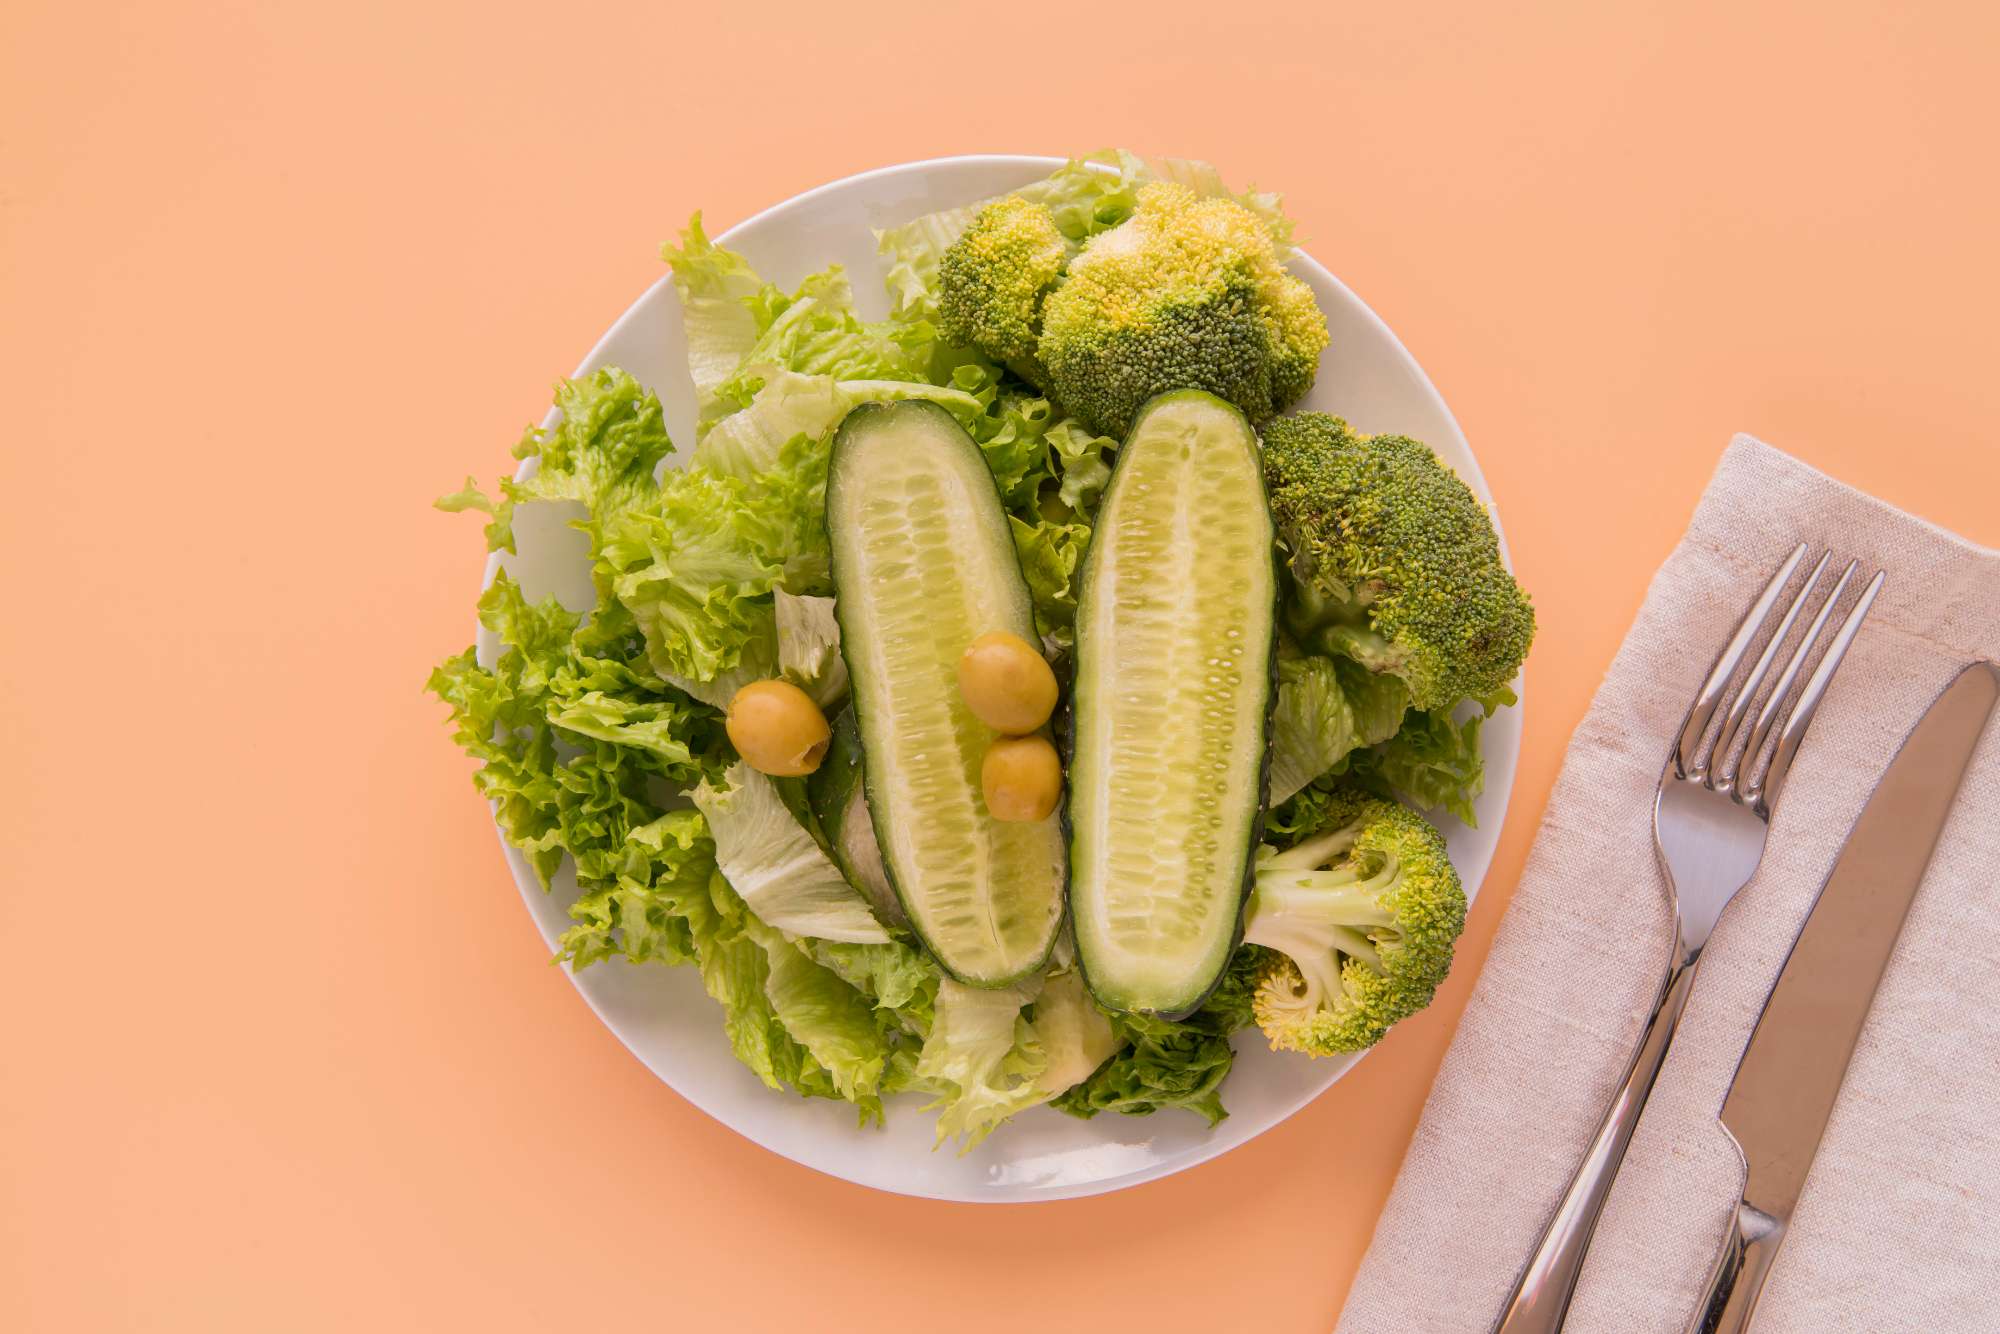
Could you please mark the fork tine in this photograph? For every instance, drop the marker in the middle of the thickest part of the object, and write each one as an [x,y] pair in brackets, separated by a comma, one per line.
[1768,716]
[1687,752]
[1764,791]
[1725,737]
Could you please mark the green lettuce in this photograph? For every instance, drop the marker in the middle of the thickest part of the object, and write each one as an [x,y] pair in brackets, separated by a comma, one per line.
[774,863]
[1434,761]
[719,312]
[1081,463]
[564,774]
[642,911]
[698,564]
[650,887]
[814,331]
[791,1019]
[790,406]
[741,330]
[1327,708]
[982,1060]
[1010,425]
[1162,1063]
[1050,553]
[832,1021]
[606,444]
[794,1023]
[1076,1036]
[890,973]
[809,648]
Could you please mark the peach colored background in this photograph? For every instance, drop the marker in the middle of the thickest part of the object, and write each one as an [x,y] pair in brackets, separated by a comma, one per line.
[282,1050]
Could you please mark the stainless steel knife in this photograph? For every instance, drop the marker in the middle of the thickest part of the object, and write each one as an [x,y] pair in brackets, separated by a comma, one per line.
[1791,1072]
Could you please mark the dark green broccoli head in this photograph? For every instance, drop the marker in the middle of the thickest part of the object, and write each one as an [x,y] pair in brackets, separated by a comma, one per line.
[1361,919]
[1395,560]
[1187,293]
[992,280]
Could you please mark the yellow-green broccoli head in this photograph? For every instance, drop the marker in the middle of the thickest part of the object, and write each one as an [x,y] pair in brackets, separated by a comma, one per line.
[1396,562]
[992,280]
[1187,293]
[1360,920]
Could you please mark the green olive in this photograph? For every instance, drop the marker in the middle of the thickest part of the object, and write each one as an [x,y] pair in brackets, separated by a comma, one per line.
[1022,778]
[777,729]
[1006,683]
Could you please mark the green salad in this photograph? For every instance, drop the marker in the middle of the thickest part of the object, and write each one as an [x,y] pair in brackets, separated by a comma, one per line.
[1008,701]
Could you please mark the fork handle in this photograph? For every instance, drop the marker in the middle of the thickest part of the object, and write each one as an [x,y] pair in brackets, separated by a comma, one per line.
[1739,1275]
[1541,1296]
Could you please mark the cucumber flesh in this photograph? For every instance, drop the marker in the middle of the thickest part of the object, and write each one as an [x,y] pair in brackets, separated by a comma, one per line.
[924,563]
[1175,628]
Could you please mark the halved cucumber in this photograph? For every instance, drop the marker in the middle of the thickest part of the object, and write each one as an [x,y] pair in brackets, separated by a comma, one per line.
[1175,629]
[923,563]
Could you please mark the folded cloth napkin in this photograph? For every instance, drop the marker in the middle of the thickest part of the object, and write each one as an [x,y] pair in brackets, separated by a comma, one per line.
[1899,1226]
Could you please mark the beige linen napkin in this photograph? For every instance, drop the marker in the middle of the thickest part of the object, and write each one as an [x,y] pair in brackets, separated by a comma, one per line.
[1899,1227]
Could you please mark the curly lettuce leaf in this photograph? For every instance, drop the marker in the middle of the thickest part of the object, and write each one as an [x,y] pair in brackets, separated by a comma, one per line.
[1076,1036]
[831,1020]
[602,451]
[891,974]
[815,331]
[1082,463]
[697,567]
[780,1013]
[794,1022]
[982,1059]
[1009,425]
[1326,709]
[1175,1067]
[641,913]
[720,316]
[774,863]
[1433,762]
[650,887]
[741,331]
[789,406]
[809,648]
[694,557]
[561,777]
[1162,1063]
[1050,553]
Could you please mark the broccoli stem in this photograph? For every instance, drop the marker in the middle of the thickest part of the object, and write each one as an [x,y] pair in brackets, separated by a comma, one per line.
[1322,896]
[1320,850]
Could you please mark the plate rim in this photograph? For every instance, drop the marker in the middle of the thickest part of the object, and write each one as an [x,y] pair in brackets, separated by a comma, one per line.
[529,887]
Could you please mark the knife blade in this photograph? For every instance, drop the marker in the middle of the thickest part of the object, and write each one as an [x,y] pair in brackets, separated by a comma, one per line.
[1790,1075]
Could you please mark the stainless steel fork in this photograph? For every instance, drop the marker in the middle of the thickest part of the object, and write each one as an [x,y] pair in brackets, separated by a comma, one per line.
[1710,818]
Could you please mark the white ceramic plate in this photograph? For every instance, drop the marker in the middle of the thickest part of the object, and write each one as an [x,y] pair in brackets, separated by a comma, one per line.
[662,1013]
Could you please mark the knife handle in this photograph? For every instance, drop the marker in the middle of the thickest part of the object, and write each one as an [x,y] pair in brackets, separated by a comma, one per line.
[1739,1275]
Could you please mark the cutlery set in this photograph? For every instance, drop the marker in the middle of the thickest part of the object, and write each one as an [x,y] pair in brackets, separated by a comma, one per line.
[1711,817]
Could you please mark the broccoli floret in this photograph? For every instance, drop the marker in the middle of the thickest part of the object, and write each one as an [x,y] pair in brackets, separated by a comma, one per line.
[1360,918]
[992,280]
[1394,561]
[1187,293]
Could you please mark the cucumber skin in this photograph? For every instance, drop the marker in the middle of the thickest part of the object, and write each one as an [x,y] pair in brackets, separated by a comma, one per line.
[1068,729]
[859,417]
